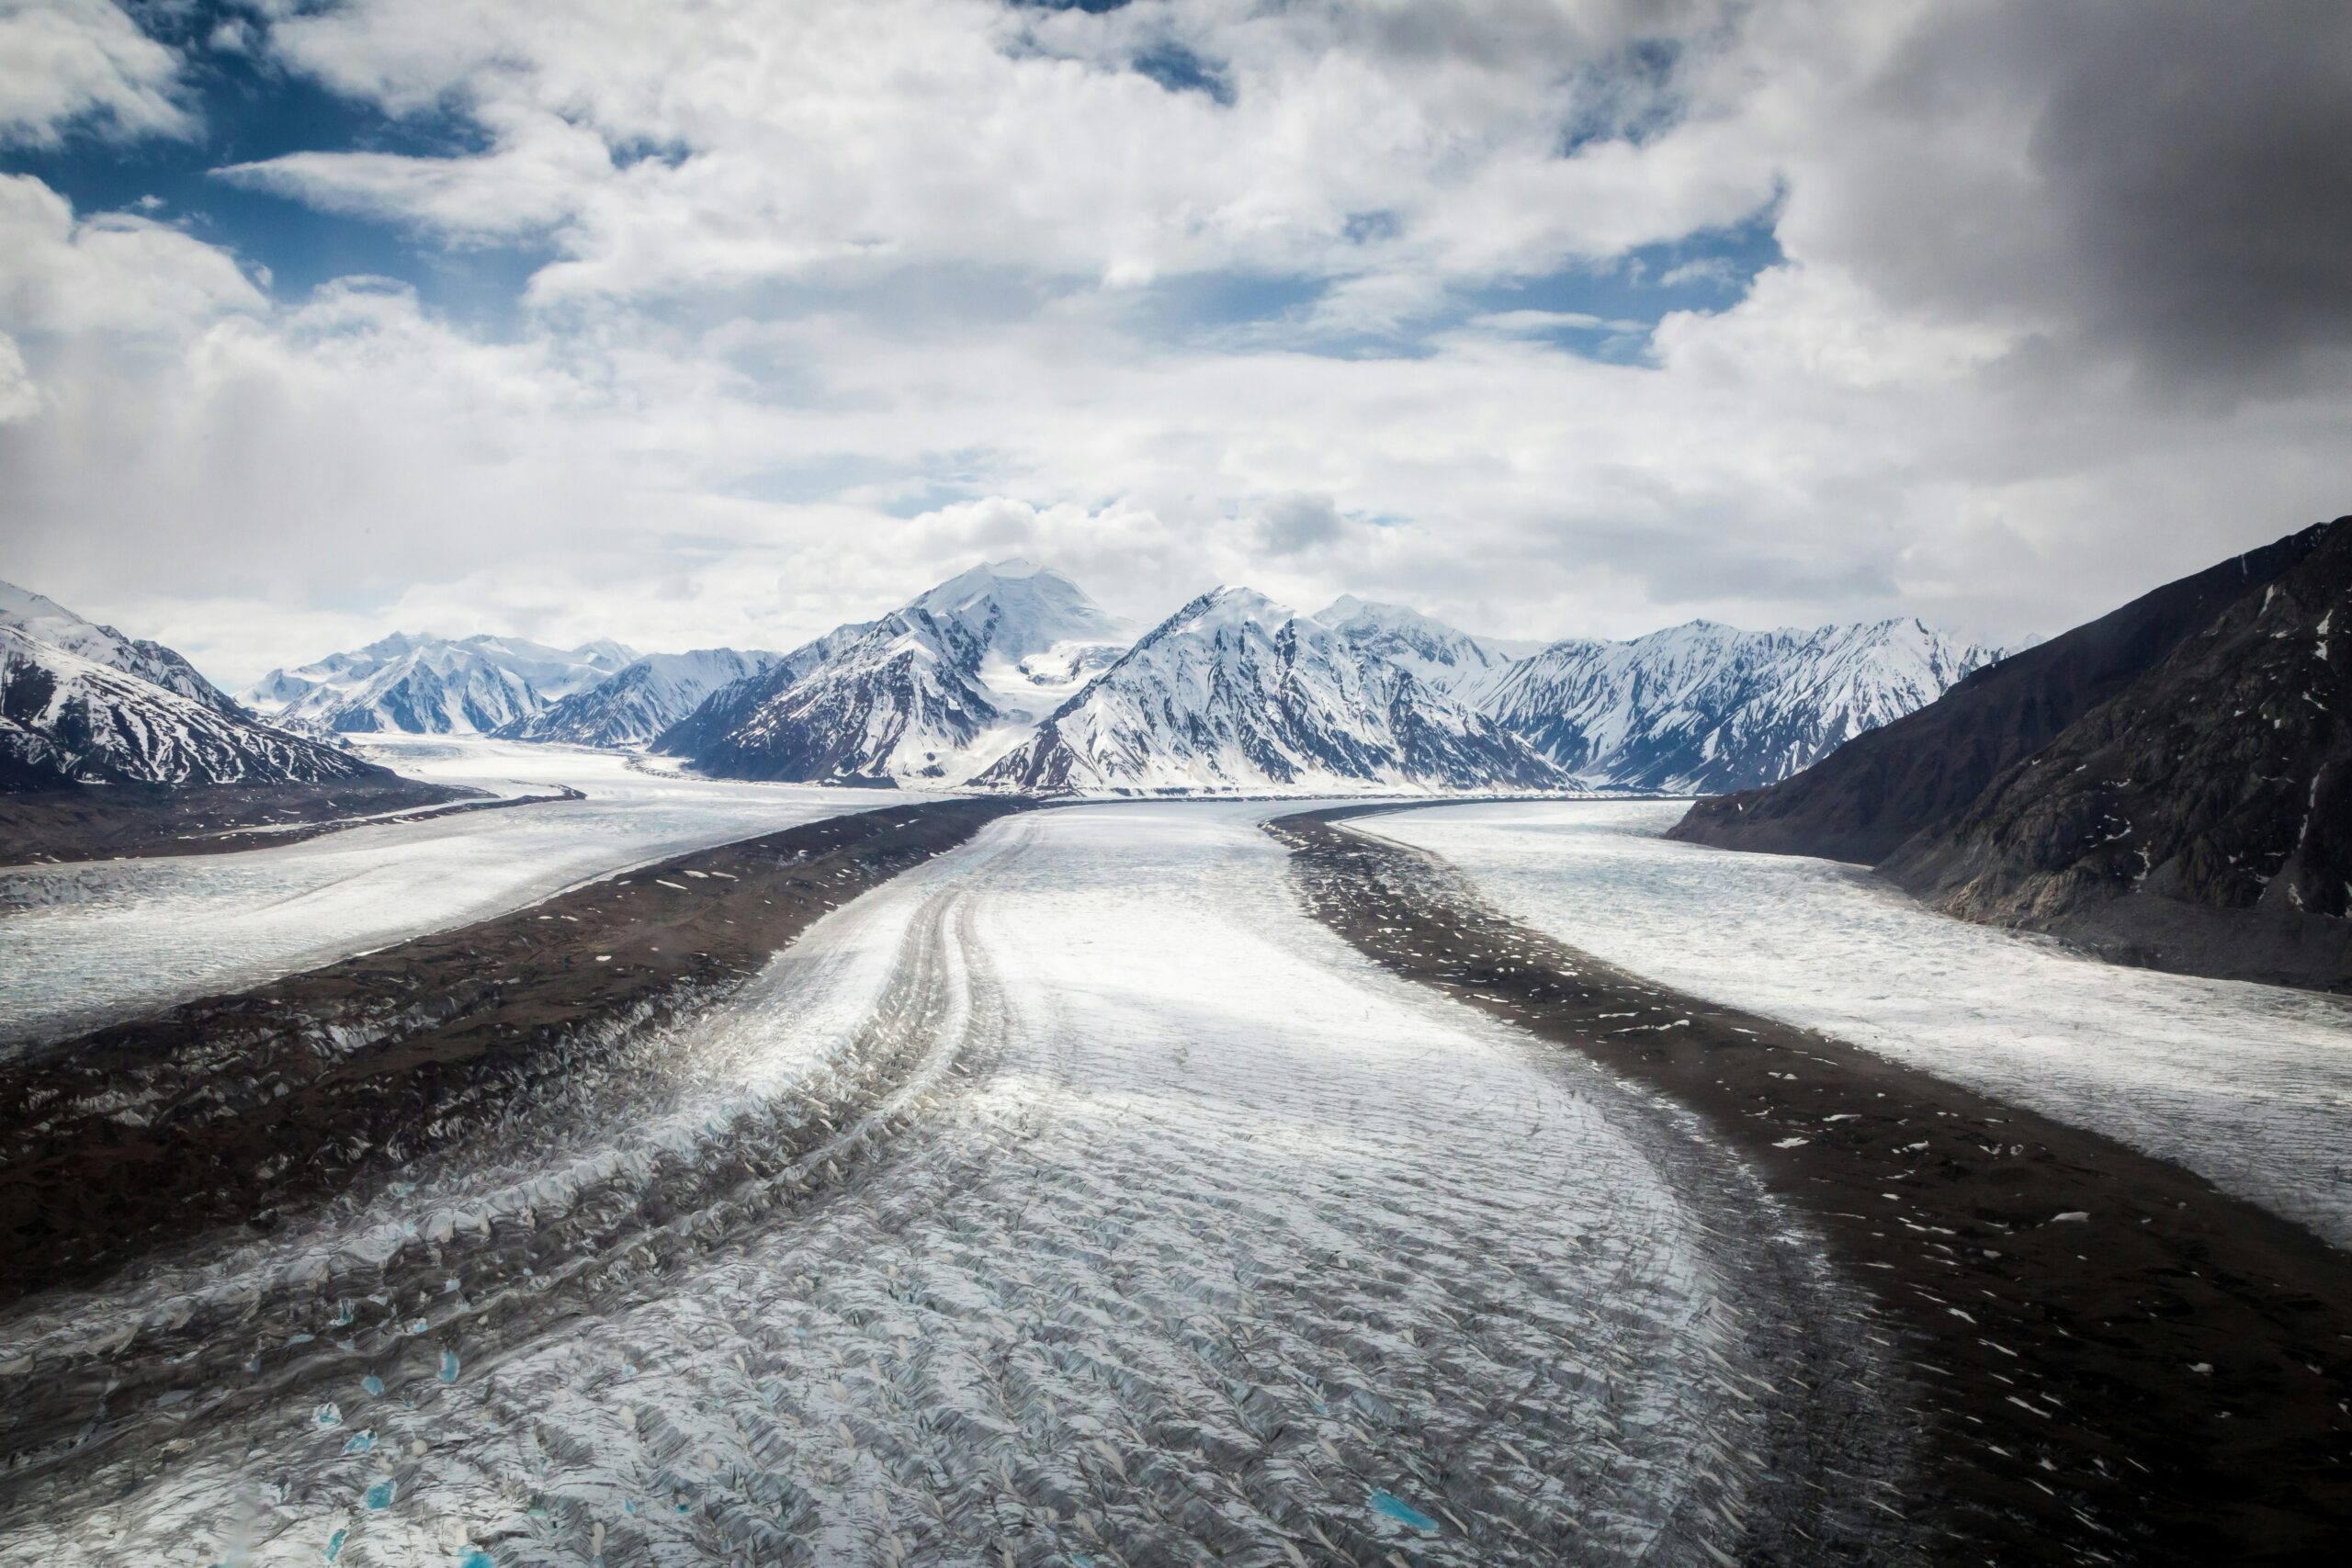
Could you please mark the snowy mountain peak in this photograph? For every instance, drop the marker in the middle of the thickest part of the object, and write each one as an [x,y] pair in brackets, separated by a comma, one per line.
[1465,666]
[46,621]
[1238,692]
[1017,608]
[435,685]
[81,704]
[1708,707]
[936,690]
[644,699]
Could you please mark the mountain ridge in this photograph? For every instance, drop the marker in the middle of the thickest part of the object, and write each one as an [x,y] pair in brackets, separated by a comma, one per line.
[83,705]
[1862,801]
[1704,708]
[432,685]
[1236,693]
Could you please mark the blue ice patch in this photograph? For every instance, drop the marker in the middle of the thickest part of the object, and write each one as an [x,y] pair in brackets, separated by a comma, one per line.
[477,1558]
[359,1443]
[335,1544]
[373,1384]
[381,1494]
[1396,1508]
[448,1366]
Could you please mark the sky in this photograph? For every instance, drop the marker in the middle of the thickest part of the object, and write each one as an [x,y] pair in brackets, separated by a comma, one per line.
[721,321]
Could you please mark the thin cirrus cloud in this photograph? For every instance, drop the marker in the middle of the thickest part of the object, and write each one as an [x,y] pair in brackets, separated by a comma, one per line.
[1550,319]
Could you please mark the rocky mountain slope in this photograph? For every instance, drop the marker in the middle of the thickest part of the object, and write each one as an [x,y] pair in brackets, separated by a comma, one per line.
[2201,818]
[435,685]
[67,720]
[1703,707]
[708,724]
[46,621]
[1920,773]
[1236,694]
[934,690]
[634,706]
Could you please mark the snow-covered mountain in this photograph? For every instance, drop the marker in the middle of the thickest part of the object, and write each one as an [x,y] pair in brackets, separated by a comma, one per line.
[1706,709]
[435,685]
[934,690]
[44,620]
[1462,666]
[645,698]
[66,720]
[1235,693]
[725,709]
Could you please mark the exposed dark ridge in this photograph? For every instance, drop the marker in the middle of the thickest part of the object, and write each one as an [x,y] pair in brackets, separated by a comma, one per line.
[1922,771]
[2201,820]
[136,820]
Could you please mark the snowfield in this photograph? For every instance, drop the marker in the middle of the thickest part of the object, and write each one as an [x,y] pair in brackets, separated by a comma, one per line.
[2249,1085]
[84,945]
[1183,1233]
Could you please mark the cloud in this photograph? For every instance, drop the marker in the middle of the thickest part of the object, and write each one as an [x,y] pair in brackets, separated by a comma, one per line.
[68,63]
[841,298]
[20,397]
[111,272]
[1297,522]
[1537,321]
[826,138]
[2161,183]
[523,188]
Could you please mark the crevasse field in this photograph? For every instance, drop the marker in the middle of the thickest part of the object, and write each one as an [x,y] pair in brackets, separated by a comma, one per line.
[1190,1229]
[2249,1085]
[1180,1225]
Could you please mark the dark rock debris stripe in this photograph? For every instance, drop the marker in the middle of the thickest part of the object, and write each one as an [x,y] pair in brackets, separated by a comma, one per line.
[2119,1363]
[316,1090]
[139,821]
[263,1100]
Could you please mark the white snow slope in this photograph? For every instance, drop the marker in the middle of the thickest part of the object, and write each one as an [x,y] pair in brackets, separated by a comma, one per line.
[633,707]
[1465,668]
[1194,1233]
[934,690]
[2250,1086]
[81,945]
[46,621]
[1704,709]
[1236,693]
[435,685]
[66,720]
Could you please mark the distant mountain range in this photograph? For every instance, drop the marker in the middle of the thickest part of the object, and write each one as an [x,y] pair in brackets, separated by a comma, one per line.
[1236,693]
[1703,708]
[645,697]
[435,685]
[1465,668]
[81,704]
[1009,676]
[2170,783]
[934,690]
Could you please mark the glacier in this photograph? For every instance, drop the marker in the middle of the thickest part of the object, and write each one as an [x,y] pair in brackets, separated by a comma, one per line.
[2249,1085]
[84,945]
[1186,1232]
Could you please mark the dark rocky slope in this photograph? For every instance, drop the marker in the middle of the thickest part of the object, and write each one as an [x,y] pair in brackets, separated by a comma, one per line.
[2202,820]
[1923,772]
